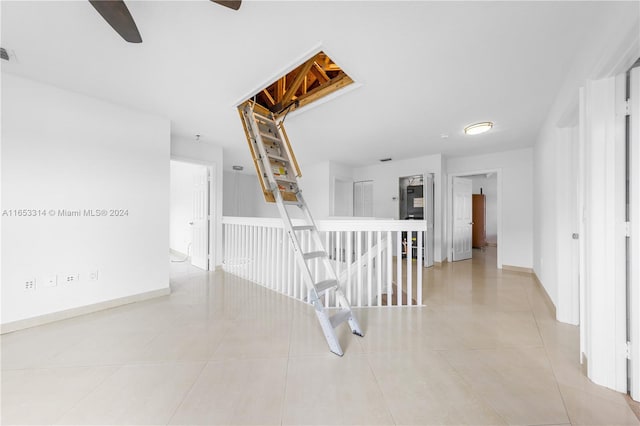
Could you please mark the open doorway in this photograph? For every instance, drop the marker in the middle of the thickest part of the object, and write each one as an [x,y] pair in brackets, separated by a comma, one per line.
[484,210]
[474,210]
[416,202]
[189,214]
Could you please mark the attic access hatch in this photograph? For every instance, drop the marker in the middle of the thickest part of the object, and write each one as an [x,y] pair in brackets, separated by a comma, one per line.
[262,117]
[317,77]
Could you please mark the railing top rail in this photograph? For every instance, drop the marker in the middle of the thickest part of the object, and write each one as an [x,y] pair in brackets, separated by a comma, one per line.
[355,224]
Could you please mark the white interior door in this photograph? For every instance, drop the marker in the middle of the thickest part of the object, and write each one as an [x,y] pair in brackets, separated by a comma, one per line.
[200,222]
[633,253]
[462,218]
[429,217]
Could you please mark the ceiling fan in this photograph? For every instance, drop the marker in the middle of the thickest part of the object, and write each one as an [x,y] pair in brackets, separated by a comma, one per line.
[117,15]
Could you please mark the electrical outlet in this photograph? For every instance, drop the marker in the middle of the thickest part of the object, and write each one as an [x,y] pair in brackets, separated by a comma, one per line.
[50,281]
[30,284]
[93,275]
[71,278]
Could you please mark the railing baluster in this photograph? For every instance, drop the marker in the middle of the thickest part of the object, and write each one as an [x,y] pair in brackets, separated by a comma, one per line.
[274,258]
[409,267]
[359,270]
[263,256]
[399,269]
[419,264]
[389,267]
[379,266]
[369,268]
[245,251]
[349,262]
[338,260]
[234,251]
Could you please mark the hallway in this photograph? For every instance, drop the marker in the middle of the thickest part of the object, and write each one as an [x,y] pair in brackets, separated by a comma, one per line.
[220,350]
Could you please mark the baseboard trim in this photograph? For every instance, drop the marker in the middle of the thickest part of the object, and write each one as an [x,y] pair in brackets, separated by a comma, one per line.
[445,260]
[517,269]
[547,299]
[177,253]
[492,244]
[81,310]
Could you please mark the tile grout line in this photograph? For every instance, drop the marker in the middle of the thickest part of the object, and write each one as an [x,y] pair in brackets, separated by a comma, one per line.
[286,373]
[466,382]
[546,353]
[89,393]
[375,377]
[187,392]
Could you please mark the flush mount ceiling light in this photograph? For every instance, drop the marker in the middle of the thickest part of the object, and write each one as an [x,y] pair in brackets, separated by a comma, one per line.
[477,128]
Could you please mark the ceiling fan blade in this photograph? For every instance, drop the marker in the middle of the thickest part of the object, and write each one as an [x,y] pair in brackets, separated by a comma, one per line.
[231,4]
[117,15]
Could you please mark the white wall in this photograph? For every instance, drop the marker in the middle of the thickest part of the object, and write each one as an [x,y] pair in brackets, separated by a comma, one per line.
[211,156]
[182,179]
[385,177]
[609,45]
[489,187]
[584,110]
[243,197]
[243,194]
[517,199]
[63,150]
[316,188]
[340,189]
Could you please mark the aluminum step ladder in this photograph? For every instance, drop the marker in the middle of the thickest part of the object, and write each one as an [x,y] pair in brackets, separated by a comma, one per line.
[278,173]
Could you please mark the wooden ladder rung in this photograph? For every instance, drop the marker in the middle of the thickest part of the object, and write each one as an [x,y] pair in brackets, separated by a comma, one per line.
[277,157]
[263,117]
[270,137]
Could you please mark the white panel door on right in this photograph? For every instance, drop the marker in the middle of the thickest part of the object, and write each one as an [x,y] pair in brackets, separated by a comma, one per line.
[200,222]
[462,218]
[429,217]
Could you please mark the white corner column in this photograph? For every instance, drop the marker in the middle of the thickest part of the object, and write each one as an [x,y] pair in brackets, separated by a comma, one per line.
[605,245]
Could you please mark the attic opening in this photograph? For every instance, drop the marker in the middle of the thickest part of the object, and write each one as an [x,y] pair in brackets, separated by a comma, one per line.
[316,78]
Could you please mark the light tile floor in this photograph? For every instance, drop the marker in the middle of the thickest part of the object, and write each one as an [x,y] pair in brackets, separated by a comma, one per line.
[221,350]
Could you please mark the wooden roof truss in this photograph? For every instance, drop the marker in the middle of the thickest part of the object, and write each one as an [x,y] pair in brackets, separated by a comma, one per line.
[316,78]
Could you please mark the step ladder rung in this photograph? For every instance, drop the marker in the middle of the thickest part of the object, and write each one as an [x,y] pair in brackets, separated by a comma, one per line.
[314,254]
[325,285]
[304,228]
[277,157]
[259,116]
[340,317]
[270,137]
[284,179]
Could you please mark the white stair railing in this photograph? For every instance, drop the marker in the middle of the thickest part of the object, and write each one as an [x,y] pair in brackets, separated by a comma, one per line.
[369,257]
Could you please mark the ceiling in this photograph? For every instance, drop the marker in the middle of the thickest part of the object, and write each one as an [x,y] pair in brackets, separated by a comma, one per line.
[421,69]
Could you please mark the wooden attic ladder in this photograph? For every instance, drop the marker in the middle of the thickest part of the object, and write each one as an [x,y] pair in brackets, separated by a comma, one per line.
[278,173]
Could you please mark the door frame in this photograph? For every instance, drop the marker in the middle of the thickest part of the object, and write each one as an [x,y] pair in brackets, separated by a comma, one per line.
[633,279]
[213,228]
[450,176]
[461,218]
